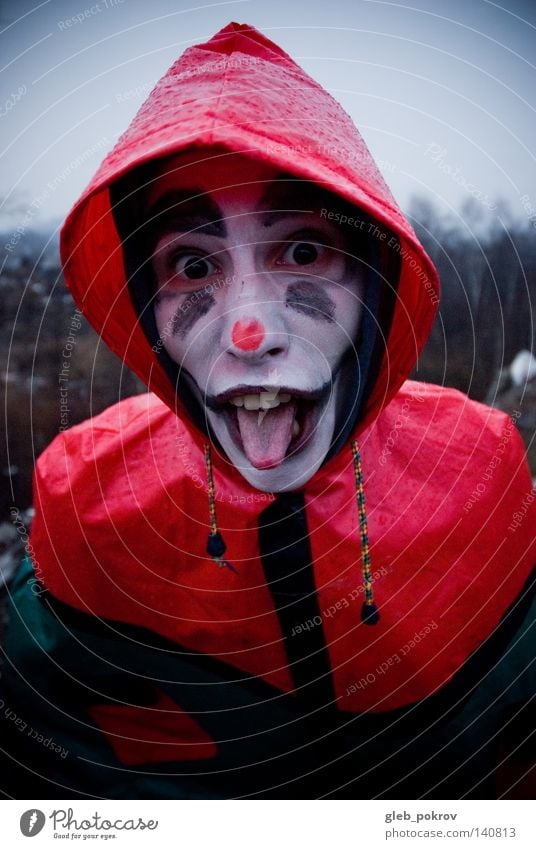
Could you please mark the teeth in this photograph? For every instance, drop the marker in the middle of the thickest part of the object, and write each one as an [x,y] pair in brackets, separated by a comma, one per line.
[268,400]
[295,428]
[252,402]
[262,401]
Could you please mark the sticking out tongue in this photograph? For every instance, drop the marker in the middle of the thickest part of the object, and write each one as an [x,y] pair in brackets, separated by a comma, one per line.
[266,434]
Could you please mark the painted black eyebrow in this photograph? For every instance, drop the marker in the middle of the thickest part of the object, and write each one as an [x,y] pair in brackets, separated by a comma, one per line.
[272,216]
[288,196]
[181,211]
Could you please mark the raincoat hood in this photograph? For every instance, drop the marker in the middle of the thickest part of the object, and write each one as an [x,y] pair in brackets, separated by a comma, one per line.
[242,92]
[124,501]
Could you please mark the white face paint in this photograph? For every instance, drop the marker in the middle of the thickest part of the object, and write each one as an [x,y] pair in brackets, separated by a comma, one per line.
[257,302]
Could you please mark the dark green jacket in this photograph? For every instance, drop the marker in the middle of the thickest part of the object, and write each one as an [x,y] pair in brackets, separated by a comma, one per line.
[60,663]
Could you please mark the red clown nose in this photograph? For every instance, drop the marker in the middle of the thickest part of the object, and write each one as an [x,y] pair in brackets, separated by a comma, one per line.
[247,334]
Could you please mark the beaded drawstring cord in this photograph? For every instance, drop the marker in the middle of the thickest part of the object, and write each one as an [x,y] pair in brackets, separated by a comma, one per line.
[369,611]
[215,543]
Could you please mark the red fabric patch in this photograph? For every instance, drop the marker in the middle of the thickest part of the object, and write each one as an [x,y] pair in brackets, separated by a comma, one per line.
[153,733]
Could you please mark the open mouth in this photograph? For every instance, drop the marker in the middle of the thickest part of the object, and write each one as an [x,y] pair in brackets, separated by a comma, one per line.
[269,425]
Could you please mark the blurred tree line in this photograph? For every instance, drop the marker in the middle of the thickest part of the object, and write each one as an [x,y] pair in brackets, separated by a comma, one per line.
[487,268]
[37,317]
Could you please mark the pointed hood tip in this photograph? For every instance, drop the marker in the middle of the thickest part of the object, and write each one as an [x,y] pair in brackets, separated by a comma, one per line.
[234,26]
[243,38]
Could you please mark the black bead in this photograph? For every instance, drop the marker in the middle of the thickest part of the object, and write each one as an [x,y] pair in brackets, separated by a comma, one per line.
[369,614]
[215,545]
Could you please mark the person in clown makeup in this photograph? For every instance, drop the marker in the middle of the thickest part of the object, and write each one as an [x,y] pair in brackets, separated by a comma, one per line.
[261,579]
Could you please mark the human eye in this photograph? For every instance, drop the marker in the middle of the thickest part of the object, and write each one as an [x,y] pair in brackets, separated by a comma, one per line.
[192,266]
[182,270]
[302,249]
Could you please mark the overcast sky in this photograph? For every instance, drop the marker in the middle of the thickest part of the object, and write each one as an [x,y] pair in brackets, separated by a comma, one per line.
[443,93]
